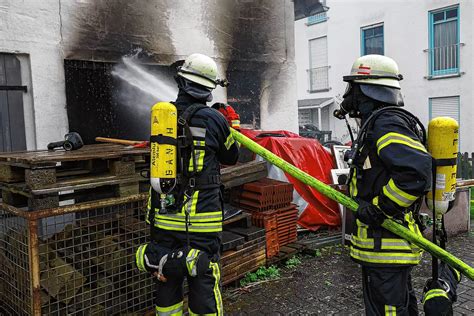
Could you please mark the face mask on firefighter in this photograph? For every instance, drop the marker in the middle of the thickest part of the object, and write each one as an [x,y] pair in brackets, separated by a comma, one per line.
[355,103]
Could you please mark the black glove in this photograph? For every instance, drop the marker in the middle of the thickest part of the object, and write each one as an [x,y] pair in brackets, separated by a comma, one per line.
[369,214]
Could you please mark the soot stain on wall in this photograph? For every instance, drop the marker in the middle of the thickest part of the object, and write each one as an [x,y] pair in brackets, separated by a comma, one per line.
[248,35]
[108,30]
[258,43]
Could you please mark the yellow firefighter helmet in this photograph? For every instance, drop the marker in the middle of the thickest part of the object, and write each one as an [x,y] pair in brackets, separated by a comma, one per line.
[375,70]
[200,69]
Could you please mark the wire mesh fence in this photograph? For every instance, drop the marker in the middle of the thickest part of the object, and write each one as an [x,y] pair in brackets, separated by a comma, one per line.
[76,260]
[15,290]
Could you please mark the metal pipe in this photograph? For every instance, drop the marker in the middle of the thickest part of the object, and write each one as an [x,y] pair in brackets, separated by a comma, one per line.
[33,254]
[80,207]
[331,193]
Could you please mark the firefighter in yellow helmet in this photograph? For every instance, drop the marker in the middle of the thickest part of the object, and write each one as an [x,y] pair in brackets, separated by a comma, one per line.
[390,173]
[186,227]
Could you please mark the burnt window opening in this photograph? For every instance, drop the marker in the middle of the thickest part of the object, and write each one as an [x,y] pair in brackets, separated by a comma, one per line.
[101,104]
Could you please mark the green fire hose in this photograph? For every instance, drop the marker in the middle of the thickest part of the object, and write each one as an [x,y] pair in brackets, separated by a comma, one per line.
[339,197]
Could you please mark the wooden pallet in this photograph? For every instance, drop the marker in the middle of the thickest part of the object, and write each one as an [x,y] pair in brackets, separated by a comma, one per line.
[42,179]
[236,264]
[286,252]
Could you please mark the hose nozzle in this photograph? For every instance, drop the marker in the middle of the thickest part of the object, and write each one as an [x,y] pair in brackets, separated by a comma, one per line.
[222,82]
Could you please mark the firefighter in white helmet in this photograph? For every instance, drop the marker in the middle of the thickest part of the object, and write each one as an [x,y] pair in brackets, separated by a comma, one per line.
[390,172]
[186,228]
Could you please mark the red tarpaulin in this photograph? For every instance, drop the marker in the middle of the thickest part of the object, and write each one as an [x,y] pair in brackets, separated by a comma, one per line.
[310,156]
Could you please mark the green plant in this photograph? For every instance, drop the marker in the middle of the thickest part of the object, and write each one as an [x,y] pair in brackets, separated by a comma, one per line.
[293,262]
[263,273]
[317,253]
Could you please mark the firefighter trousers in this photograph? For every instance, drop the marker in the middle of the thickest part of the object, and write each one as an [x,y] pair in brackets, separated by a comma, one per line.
[388,291]
[204,294]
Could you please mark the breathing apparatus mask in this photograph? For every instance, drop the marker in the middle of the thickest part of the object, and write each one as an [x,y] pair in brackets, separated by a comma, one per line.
[355,103]
[360,100]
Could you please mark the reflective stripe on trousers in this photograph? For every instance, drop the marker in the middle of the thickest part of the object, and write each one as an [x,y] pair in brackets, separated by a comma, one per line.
[174,310]
[390,310]
[434,293]
[214,266]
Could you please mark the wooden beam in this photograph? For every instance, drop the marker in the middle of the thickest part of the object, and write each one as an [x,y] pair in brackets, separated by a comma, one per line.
[240,174]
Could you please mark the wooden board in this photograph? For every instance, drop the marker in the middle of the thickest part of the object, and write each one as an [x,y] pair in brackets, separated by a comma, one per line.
[249,233]
[43,157]
[232,255]
[231,240]
[240,174]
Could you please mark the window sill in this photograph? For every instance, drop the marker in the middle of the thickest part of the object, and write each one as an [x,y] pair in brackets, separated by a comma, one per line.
[435,77]
[319,90]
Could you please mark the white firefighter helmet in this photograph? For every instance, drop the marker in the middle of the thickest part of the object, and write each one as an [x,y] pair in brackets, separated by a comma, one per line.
[375,70]
[200,69]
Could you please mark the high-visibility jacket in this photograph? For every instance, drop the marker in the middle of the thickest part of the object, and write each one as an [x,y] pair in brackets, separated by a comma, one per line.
[394,174]
[213,145]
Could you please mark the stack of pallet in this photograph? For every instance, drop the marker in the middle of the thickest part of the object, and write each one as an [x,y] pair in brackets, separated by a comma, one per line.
[47,179]
[243,248]
[269,202]
[70,223]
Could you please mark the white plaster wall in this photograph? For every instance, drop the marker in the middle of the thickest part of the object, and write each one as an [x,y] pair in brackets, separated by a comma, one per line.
[279,89]
[41,32]
[405,39]
[32,28]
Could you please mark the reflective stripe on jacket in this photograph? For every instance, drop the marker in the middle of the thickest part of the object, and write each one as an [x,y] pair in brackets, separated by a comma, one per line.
[395,174]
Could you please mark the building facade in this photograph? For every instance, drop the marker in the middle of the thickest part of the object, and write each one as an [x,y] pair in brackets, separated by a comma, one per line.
[431,40]
[57,56]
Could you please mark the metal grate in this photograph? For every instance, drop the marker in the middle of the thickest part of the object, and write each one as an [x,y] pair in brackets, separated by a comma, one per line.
[15,291]
[444,60]
[318,79]
[86,260]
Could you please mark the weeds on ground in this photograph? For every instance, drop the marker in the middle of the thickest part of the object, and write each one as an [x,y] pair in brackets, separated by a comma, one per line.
[263,273]
[292,262]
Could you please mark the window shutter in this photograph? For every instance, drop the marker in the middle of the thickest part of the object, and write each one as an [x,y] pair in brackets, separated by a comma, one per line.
[318,50]
[448,106]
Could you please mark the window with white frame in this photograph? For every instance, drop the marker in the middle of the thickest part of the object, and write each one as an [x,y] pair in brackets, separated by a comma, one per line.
[444,41]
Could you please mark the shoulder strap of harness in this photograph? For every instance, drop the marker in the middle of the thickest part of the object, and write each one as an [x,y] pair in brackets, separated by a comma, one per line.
[190,180]
[365,136]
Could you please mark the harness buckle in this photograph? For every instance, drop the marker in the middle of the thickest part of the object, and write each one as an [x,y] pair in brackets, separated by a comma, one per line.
[192,182]
[181,121]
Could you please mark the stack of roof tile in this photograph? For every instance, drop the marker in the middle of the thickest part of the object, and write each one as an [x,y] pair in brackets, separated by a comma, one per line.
[269,202]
